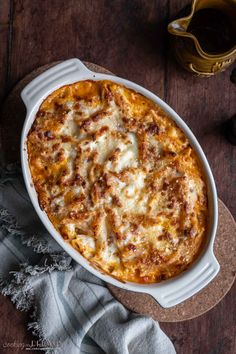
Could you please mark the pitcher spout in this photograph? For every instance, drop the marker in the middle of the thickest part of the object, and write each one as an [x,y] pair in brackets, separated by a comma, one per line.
[178,27]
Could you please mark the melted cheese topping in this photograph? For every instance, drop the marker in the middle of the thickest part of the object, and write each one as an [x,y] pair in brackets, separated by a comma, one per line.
[119,180]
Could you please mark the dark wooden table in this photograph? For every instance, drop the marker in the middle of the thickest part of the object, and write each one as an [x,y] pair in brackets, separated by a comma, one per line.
[129,38]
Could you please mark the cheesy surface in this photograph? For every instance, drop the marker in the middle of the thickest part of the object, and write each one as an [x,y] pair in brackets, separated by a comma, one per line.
[119,181]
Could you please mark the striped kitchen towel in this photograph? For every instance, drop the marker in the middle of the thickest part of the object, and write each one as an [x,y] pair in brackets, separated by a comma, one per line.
[72,310]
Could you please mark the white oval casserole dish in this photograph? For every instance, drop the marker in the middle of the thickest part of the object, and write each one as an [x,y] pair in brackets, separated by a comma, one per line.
[170,292]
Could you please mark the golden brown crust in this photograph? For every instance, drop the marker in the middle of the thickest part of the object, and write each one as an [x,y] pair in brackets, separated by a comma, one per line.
[119,180]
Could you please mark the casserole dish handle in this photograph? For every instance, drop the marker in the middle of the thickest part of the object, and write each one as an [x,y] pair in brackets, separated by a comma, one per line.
[68,71]
[182,288]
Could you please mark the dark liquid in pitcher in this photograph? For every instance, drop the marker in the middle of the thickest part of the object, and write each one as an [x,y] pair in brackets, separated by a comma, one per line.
[214,30]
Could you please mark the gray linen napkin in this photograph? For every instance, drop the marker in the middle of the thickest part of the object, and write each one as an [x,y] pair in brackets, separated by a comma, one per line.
[72,310]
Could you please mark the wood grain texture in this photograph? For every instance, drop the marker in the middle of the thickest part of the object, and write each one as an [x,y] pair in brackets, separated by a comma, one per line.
[5,43]
[14,336]
[126,37]
[212,333]
[5,28]
[129,38]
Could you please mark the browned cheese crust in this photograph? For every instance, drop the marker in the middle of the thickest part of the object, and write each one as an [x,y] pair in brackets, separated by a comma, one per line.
[118,180]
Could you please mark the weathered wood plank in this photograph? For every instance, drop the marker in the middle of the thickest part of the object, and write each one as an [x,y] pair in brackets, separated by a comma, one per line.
[212,333]
[124,36]
[5,26]
[14,336]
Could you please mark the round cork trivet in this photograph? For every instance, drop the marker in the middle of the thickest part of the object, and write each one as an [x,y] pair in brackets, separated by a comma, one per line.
[12,117]
[206,299]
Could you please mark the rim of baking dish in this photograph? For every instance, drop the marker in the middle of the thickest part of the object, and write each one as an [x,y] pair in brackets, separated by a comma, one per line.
[168,292]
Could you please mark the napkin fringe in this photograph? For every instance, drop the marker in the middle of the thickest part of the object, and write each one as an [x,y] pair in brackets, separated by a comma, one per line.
[17,285]
[22,295]
[9,224]
[37,245]
[36,329]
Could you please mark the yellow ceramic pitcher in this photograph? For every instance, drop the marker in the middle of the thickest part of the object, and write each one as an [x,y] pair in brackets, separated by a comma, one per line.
[188,47]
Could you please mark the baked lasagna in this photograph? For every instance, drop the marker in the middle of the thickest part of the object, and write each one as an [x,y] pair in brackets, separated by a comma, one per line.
[119,181]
